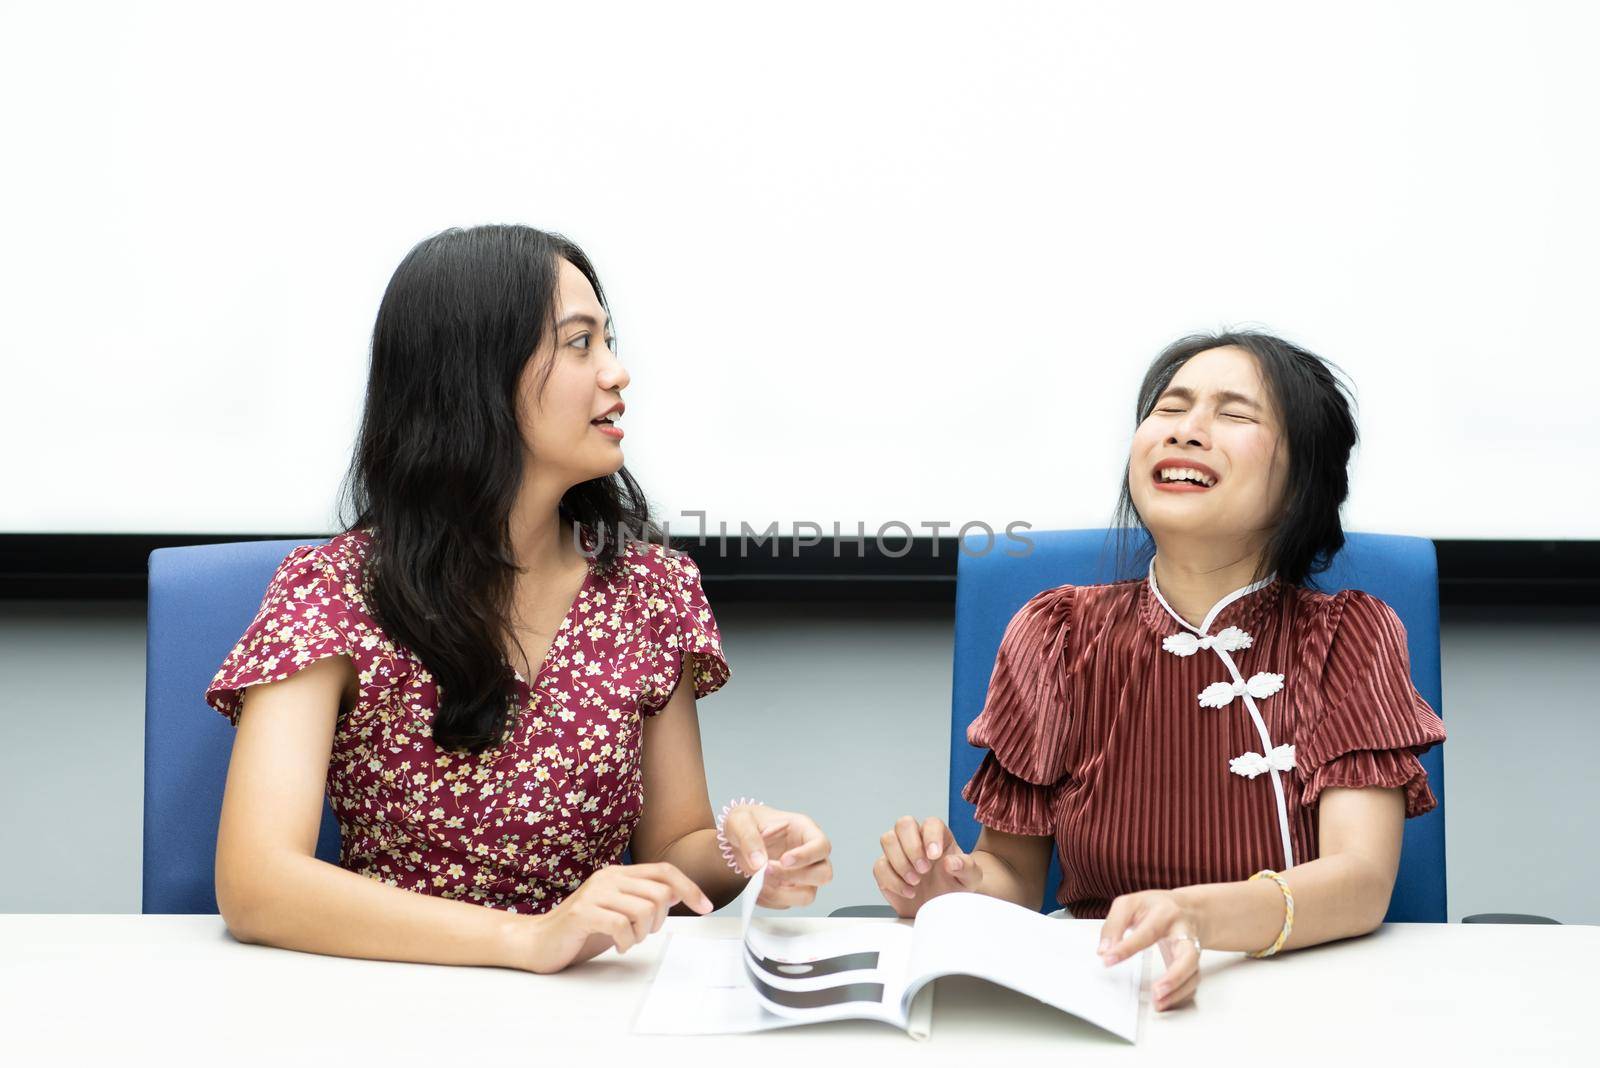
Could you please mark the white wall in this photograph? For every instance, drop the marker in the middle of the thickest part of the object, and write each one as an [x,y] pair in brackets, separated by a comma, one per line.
[934,239]
[842,710]
[947,231]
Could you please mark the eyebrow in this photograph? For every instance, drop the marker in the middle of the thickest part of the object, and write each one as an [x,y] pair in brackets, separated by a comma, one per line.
[1226,396]
[581,317]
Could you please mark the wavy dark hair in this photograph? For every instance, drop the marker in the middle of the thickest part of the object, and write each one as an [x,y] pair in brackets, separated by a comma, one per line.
[439,460]
[1315,406]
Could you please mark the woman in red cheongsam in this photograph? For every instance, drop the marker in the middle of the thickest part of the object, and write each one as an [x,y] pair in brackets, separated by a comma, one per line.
[1223,755]
[493,671]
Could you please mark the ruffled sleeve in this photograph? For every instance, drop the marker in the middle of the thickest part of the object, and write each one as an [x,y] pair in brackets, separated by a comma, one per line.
[304,617]
[1374,723]
[678,621]
[1024,720]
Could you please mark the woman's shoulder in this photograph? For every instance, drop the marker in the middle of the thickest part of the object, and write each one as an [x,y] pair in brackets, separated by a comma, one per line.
[335,568]
[654,567]
[1345,629]
[1047,616]
[667,596]
[313,608]
[1337,610]
[1072,602]
[344,554]
[331,580]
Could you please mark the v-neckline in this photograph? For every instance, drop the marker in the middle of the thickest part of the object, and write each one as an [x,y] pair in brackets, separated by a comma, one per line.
[590,570]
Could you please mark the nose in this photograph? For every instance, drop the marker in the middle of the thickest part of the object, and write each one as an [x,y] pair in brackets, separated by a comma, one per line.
[613,376]
[1193,429]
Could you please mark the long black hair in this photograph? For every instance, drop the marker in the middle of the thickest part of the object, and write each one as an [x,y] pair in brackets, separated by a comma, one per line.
[1315,405]
[439,460]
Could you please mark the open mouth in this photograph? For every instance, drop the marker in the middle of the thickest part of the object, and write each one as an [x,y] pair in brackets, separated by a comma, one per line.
[1179,477]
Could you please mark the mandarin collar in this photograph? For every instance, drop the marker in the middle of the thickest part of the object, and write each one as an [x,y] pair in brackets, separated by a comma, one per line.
[1241,608]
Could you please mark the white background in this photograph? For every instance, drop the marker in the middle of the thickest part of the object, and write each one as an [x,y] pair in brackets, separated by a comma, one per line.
[867,261]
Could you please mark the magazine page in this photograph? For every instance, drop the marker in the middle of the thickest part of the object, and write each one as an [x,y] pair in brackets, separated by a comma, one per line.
[1049,960]
[856,971]
[770,977]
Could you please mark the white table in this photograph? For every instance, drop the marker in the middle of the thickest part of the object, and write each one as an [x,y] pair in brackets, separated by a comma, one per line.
[179,990]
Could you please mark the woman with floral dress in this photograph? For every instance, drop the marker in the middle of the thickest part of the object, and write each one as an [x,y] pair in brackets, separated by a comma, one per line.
[1222,755]
[493,671]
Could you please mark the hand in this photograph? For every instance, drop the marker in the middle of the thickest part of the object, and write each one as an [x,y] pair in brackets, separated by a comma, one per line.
[756,832]
[1156,917]
[921,862]
[616,906]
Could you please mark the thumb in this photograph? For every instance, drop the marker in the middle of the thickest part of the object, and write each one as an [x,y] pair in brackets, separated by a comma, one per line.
[962,868]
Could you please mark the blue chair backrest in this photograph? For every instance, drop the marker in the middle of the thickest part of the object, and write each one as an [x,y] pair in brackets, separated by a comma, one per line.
[1403,572]
[201,600]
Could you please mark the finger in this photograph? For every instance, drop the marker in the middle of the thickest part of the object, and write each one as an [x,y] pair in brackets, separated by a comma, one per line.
[659,895]
[889,881]
[744,834]
[1152,926]
[640,911]
[910,836]
[785,897]
[656,890]
[814,845]
[1171,999]
[896,855]
[1182,962]
[812,875]
[964,870]
[683,888]
[775,881]
[1177,944]
[935,837]
[1116,922]
[615,926]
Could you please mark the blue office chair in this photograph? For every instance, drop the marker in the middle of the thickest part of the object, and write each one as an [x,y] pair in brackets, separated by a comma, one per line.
[201,600]
[1401,571]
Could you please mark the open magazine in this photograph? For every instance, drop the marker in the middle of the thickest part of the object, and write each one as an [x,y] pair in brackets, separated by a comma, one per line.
[881,971]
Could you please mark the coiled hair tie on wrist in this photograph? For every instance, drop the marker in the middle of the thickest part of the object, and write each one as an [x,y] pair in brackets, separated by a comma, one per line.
[723,844]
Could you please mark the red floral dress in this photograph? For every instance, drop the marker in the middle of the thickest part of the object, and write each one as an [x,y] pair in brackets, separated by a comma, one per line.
[521,825]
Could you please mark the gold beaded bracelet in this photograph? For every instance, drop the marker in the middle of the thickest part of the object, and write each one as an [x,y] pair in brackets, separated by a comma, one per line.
[1288,912]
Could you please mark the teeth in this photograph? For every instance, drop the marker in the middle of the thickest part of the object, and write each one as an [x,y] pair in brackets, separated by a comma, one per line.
[1175,474]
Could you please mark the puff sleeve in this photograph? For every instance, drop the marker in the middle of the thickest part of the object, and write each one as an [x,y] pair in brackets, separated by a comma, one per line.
[304,617]
[1024,720]
[1374,724]
[678,621]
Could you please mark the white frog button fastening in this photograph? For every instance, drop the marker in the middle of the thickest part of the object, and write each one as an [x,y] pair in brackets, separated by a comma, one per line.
[1261,685]
[1258,687]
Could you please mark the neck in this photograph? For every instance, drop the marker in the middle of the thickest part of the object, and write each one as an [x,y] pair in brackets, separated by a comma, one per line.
[541,541]
[1195,576]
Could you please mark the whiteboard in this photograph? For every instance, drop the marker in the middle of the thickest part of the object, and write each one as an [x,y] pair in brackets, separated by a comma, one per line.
[868,262]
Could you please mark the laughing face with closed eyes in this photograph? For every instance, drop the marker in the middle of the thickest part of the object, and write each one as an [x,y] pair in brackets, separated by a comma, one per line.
[1209,458]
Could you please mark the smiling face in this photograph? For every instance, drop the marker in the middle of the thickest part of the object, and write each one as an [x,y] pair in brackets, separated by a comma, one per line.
[570,422]
[1207,460]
